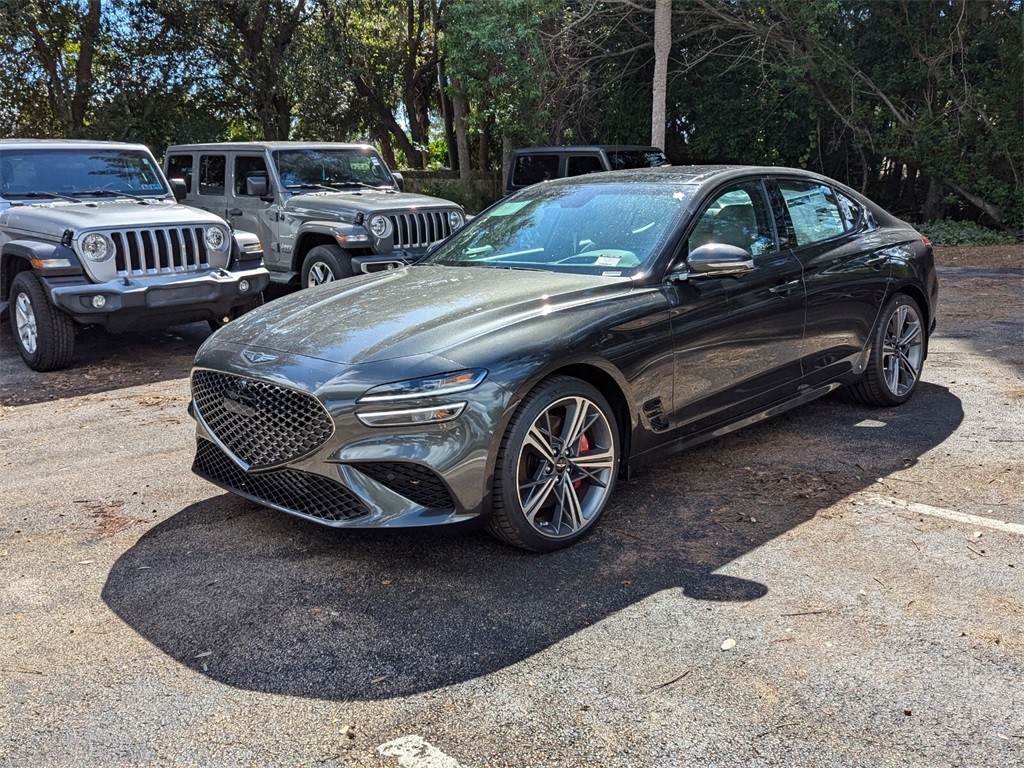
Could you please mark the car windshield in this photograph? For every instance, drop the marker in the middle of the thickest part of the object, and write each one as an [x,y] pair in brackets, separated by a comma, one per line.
[335,168]
[77,172]
[610,229]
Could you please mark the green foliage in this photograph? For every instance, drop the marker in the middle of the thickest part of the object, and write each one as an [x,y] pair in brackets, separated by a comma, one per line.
[963,233]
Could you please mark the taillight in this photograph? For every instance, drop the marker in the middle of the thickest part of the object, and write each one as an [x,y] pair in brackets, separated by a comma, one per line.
[926,241]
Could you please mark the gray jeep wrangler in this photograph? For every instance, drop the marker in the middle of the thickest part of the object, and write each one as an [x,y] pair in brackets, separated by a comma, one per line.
[322,211]
[91,234]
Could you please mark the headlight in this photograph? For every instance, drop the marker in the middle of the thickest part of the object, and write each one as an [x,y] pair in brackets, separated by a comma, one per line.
[428,386]
[455,219]
[97,247]
[216,238]
[411,417]
[380,226]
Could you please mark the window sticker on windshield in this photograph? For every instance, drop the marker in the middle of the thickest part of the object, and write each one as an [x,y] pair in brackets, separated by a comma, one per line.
[606,261]
[607,273]
[507,209]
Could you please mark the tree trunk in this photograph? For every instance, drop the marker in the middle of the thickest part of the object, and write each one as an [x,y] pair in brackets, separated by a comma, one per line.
[932,210]
[461,139]
[662,46]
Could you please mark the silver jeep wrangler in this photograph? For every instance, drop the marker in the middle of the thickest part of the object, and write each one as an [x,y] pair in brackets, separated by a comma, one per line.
[91,233]
[322,210]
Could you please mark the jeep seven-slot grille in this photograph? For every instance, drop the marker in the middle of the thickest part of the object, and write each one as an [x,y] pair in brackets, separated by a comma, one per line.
[261,423]
[300,492]
[420,229]
[160,251]
[416,483]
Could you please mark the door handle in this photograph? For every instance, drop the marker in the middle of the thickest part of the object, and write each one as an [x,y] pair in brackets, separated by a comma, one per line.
[877,260]
[235,212]
[785,287]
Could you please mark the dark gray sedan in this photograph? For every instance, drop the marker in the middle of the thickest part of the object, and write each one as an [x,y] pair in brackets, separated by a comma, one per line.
[570,333]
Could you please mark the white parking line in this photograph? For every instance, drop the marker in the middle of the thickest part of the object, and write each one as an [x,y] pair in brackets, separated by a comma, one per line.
[951,514]
[416,752]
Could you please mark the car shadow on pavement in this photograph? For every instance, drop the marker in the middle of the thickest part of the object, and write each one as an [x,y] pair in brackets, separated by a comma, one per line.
[102,362]
[262,601]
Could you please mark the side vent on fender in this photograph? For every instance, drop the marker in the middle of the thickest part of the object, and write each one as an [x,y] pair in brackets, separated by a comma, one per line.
[655,414]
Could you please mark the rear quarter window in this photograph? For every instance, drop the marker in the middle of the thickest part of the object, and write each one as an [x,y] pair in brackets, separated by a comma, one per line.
[531,169]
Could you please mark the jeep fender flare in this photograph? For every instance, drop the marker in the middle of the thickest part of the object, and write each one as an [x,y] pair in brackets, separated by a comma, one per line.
[19,255]
[321,232]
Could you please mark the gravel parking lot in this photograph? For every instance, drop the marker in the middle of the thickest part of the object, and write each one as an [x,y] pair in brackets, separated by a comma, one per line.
[838,586]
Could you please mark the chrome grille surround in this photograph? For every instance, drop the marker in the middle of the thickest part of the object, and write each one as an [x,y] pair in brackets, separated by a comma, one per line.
[159,250]
[419,229]
[261,424]
[301,493]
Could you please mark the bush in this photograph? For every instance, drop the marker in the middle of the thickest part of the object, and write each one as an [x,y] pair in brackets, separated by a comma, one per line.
[964,233]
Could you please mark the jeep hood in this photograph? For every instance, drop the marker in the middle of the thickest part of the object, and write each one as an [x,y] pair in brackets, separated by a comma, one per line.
[365,201]
[52,218]
[423,309]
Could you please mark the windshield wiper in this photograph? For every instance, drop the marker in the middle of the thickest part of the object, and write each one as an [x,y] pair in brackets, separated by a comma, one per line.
[359,184]
[44,195]
[309,186]
[113,193]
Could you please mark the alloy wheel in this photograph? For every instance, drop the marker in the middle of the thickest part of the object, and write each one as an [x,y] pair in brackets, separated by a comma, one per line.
[902,350]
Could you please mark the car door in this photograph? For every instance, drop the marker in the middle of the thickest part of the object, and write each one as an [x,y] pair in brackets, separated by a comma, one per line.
[846,272]
[738,339]
[248,210]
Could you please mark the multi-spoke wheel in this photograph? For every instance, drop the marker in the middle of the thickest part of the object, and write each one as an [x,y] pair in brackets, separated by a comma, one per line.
[45,335]
[325,264]
[897,355]
[556,466]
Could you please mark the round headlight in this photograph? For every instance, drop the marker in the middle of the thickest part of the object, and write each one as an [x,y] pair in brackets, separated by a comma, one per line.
[455,219]
[379,226]
[216,239]
[97,247]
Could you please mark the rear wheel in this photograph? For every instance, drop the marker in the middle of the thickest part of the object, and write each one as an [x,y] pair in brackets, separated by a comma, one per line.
[556,466]
[325,264]
[45,335]
[896,357]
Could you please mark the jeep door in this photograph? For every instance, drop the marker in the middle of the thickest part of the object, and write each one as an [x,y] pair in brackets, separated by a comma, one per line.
[251,203]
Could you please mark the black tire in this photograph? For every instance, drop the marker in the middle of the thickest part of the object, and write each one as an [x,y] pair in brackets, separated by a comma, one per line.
[237,312]
[556,466]
[325,264]
[896,357]
[45,336]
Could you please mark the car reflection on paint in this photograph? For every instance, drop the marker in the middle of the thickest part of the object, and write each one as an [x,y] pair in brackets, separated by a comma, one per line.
[571,332]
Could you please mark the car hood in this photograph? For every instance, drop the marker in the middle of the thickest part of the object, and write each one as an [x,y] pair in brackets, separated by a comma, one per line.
[412,311]
[364,201]
[55,217]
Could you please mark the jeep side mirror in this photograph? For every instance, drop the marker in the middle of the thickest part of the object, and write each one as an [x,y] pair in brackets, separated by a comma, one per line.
[400,180]
[256,186]
[178,189]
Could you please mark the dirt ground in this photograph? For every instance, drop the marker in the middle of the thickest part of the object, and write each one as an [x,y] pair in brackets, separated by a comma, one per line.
[840,585]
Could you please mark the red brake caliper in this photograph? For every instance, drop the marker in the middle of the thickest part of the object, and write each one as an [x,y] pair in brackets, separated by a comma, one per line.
[584,447]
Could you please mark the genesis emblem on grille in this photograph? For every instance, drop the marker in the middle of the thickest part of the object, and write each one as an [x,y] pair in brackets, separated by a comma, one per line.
[258,357]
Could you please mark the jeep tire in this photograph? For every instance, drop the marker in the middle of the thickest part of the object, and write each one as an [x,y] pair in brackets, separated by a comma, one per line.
[45,336]
[325,264]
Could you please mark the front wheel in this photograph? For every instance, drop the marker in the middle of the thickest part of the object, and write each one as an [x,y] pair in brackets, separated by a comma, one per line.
[325,264]
[45,335]
[896,356]
[556,466]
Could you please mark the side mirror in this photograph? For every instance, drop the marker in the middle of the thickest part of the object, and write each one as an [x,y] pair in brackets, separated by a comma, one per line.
[400,180]
[256,186]
[719,260]
[178,189]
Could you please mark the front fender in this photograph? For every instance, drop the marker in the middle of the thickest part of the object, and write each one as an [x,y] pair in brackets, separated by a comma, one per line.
[50,259]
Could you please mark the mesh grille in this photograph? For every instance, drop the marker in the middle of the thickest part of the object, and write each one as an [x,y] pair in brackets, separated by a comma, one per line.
[416,483]
[300,492]
[420,229]
[261,423]
[160,251]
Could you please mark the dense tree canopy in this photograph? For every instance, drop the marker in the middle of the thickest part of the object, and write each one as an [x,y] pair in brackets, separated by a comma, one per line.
[916,102]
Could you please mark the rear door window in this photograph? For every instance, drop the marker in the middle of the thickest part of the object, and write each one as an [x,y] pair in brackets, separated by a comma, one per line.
[579,165]
[212,172]
[814,211]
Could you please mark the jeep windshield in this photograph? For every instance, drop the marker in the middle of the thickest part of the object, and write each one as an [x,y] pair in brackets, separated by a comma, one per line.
[332,169]
[75,173]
